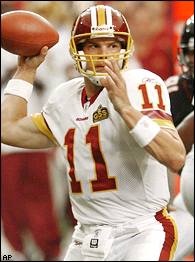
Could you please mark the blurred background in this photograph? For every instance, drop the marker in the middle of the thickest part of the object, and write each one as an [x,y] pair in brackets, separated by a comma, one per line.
[155,27]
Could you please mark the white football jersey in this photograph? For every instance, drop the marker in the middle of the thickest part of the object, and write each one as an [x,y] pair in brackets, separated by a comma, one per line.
[111,179]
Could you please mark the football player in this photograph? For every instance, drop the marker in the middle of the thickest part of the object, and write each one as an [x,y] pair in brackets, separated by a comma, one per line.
[181,91]
[115,129]
[181,87]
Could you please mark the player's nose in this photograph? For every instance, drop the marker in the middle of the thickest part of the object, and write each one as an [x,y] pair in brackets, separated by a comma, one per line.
[103,52]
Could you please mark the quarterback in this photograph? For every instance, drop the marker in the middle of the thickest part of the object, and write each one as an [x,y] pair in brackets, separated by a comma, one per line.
[115,129]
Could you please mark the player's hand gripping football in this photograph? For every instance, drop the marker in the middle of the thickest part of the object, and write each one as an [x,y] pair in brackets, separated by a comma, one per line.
[33,62]
[27,66]
[116,86]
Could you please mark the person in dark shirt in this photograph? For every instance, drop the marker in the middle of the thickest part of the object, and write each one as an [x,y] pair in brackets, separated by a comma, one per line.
[181,88]
[181,91]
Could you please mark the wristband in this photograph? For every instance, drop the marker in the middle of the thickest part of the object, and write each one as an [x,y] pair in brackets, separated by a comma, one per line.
[144,131]
[20,88]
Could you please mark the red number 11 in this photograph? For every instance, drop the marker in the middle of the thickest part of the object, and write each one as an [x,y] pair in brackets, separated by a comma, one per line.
[103,181]
[147,103]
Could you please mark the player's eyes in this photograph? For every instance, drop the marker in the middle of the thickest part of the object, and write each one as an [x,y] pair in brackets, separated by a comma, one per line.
[115,45]
[95,46]
[92,46]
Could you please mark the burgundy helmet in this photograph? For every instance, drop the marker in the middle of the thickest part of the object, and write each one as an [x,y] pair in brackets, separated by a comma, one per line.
[97,22]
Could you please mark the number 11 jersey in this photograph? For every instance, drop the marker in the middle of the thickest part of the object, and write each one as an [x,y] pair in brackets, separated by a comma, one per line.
[111,179]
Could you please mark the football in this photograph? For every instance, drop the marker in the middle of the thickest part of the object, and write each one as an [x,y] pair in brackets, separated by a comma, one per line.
[24,33]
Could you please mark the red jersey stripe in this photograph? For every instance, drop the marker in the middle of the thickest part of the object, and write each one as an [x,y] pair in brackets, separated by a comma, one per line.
[171,236]
[157,114]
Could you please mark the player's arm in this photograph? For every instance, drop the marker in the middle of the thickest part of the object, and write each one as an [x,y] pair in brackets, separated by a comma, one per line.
[166,145]
[186,131]
[18,129]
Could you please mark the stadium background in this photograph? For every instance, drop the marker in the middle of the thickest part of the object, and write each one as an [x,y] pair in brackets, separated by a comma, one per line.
[155,27]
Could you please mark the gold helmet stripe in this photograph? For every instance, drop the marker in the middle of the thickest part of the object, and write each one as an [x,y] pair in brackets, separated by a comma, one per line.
[101,15]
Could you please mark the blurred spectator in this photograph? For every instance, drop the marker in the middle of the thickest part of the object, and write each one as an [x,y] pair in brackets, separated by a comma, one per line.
[61,15]
[152,35]
[30,220]
[7,6]
[181,10]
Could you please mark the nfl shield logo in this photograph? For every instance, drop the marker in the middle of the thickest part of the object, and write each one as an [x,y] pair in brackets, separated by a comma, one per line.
[94,243]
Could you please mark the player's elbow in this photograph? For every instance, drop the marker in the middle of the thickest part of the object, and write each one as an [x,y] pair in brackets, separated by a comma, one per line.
[7,133]
[4,133]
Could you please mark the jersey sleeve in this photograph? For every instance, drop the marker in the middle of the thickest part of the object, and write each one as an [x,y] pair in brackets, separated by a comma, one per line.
[151,98]
[159,103]
[41,124]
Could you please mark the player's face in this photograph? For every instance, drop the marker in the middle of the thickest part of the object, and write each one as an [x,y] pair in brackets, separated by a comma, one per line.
[101,47]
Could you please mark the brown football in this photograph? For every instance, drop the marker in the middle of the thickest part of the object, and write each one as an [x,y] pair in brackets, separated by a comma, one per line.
[25,33]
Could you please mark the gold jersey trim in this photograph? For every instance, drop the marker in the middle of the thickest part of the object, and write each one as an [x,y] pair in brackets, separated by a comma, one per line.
[41,124]
[175,242]
[164,123]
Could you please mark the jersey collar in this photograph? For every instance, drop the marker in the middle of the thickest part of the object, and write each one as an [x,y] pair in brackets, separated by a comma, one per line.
[84,98]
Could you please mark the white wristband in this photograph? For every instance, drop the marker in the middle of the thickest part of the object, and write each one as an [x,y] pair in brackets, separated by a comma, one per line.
[20,88]
[144,131]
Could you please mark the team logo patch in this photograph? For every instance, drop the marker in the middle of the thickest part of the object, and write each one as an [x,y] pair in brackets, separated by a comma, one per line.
[100,114]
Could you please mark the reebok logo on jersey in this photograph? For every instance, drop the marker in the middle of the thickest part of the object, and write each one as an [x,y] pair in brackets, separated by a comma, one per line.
[100,114]
[81,118]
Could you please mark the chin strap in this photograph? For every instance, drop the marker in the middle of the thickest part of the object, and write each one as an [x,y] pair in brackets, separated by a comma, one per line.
[96,79]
